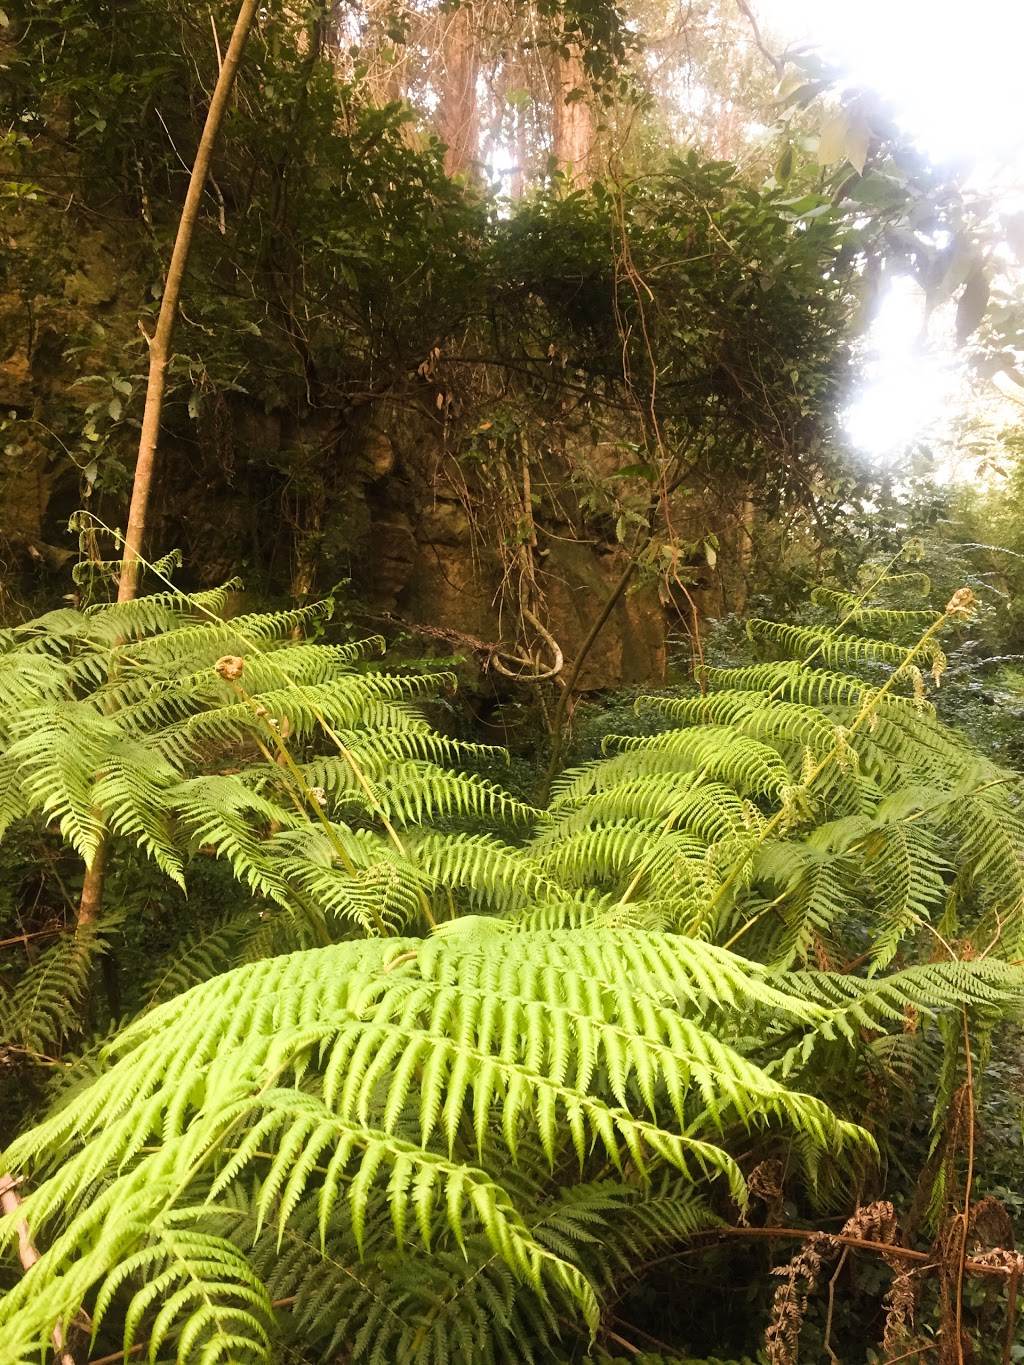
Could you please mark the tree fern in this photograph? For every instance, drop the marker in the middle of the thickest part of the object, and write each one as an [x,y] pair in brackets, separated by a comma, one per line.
[821,800]
[448,1149]
[409,1069]
[837,649]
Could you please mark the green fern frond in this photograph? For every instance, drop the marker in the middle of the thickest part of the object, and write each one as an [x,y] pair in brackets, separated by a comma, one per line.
[418,793]
[51,633]
[155,613]
[672,863]
[488,873]
[790,680]
[928,988]
[873,618]
[225,816]
[834,649]
[34,1016]
[763,718]
[588,908]
[710,810]
[377,700]
[28,680]
[751,767]
[816,892]
[379,891]
[398,1046]
[57,752]
[14,803]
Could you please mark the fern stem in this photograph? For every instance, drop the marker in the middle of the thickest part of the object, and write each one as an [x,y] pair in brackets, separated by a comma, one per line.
[968,1183]
[285,757]
[318,810]
[803,1234]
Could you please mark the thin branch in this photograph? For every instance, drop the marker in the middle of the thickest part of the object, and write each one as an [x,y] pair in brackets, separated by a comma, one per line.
[160,342]
[569,688]
[776,63]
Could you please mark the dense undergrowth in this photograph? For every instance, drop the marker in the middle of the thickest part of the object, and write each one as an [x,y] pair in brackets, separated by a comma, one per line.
[485,1081]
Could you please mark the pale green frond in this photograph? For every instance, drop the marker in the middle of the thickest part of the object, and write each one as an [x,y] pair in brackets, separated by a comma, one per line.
[155,613]
[753,768]
[57,752]
[489,874]
[376,752]
[375,889]
[928,988]
[530,1037]
[814,890]
[303,665]
[14,803]
[767,718]
[874,618]
[791,680]
[614,851]
[26,681]
[376,700]
[905,865]
[55,632]
[223,815]
[238,636]
[593,908]
[131,794]
[840,650]
[418,793]
[710,810]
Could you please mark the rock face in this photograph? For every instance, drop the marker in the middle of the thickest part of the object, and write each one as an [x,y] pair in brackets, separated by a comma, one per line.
[434,562]
[294,507]
[293,493]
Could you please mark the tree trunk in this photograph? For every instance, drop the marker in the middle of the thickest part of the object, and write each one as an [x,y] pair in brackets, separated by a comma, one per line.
[573,130]
[28,1255]
[458,121]
[744,555]
[91,901]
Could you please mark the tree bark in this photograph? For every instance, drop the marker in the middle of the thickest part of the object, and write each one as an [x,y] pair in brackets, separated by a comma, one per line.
[160,342]
[457,115]
[90,902]
[573,131]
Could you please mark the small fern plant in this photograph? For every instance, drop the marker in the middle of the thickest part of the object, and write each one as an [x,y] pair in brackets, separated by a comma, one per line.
[811,810]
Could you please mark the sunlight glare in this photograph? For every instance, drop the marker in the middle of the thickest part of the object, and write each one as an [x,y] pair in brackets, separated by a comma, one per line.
[952,81]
